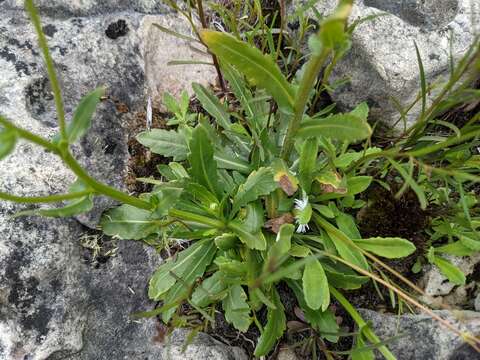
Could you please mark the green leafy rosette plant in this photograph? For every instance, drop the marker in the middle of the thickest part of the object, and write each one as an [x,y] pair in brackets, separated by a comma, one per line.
[263,195]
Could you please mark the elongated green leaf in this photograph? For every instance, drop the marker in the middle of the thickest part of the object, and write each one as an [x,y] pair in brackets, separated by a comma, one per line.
[470,242]
[225,161]
[315,286]
[165,142]
[324,322]
[73,207]
[259,69]
[237,311]
[258,183]
[162,280]
[209,291]
[412,183]
[423,82]
[240,89]
[344,127]
[276,325]
[456,248]
[129,223]
[450,271]
[195,267]
[82,117]
[203,165]
[346,223]
[8,140]
[388,247]
[212,105]
[253,241]
[307,165]
[344,245]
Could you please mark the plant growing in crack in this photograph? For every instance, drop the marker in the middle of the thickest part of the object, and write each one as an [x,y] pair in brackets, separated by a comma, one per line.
[240,182]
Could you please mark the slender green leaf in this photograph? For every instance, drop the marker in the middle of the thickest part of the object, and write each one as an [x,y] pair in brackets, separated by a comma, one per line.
[456,248]
[225,161]
[168,143]
[129,223]
[252,240]
[413,184]
[73,207]
[8,140]
[82,117]
[307,165]
[343,127]
[450,271]
[203,165]
[388,247]
[212,105]
[185,277]
[259,69]
[258,183]
[315,286]
[163,279]
[276,325]
[237,311]
[423,82]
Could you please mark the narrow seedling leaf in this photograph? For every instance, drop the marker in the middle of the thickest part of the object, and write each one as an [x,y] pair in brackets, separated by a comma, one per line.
[450,271]
[202,162]
[259,69]
[8,140]
[276,325]
[82,117]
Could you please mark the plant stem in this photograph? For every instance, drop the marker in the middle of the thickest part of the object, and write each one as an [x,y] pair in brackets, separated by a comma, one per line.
[29,136]
[203,21]
[50,68]
[44,199]
[200,219]
[308,80]
[361,323]
[100,187]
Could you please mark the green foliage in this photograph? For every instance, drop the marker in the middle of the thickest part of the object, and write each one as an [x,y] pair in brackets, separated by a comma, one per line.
[263,189]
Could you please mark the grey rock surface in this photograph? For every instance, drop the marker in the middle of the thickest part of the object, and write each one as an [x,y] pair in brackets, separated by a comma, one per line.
[62,8]
[422,338]
[53,303]
[382,62]
[202,347]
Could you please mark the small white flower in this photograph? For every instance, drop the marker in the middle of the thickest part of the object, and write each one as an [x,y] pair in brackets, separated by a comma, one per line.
[303,213]
[301,204]
[302,228]
[149,113]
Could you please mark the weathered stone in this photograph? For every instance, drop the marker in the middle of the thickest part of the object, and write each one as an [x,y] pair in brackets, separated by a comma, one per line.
[160,48]
[382,63]
[287,354]
[422,338]
[53,303]
[437,286]
[61,8]
[202,347]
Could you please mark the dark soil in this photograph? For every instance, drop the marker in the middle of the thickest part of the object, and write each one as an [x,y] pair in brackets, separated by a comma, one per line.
[142,162]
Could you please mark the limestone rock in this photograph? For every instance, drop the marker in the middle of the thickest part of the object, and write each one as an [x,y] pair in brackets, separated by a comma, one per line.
[382,63]
[53,303]
[202,347]
[422,338]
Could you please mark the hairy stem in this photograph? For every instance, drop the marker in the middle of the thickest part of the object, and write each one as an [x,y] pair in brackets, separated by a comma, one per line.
[308,81]
[203,20]
[50,68]
[44,199]
[361,323]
